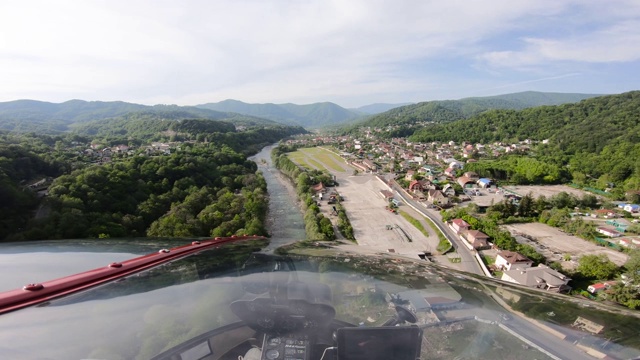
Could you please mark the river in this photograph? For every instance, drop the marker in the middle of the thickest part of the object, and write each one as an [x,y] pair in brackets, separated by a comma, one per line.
[284,221]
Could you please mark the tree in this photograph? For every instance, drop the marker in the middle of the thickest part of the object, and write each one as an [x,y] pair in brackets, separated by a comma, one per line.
[526,206]
[626,295]
[597,267]
[326,227]
[632,266]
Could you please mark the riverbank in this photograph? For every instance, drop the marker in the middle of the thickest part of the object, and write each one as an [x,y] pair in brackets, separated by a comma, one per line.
[284,220]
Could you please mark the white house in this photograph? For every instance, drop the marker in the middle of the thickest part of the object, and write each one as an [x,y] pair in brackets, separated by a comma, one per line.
[608,231]
[539,277]
[632,208]
[508,260]
[595,288]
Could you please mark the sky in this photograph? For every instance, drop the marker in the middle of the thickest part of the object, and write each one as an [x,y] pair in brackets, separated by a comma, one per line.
[350,52]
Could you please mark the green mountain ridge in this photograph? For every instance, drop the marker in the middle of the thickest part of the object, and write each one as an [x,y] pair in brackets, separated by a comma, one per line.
[441,111]
[45,117]
[377,108]
[310,115]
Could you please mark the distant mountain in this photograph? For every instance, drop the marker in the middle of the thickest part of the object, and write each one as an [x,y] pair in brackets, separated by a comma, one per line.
[442,111]
[40,116]
[588,126]
[527,99]
[378,108]
[71,111]
[311,115]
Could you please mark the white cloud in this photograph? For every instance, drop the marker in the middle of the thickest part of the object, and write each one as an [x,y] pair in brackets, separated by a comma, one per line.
[201,51]
[615,42]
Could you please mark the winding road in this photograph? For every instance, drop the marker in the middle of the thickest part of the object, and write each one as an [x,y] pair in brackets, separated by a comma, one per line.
[469,262]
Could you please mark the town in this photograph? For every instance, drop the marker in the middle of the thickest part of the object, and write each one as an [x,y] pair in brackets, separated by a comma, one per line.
[429,179]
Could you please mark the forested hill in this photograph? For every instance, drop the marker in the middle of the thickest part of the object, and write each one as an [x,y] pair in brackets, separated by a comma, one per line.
[107,178]
[589,125]
[378,108]
[599,138]
[141,127]
[45,117]
[451,110]
[311,115]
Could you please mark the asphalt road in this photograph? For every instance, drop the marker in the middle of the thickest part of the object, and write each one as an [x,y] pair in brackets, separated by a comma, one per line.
[542,339]
[469,262]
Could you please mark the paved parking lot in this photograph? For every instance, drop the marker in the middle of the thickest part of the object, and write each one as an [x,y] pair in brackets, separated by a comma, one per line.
[365,207]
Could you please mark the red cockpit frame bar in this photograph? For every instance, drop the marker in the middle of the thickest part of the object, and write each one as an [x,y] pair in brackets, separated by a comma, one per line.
[33,294]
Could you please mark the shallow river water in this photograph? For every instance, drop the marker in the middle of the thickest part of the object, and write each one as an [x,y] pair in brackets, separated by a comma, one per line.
[284,221]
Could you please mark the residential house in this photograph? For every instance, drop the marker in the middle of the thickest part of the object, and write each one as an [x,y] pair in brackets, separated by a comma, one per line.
[484,183]
[370,165]
[597,287]
[632,208]
[608,231]
[416,188]
[120,149]
[418,160]
[464,181]
[472,175]
[459,225]
[437,197]
[630,242]
[450,172]
[539,277]
[455,164]
[477,239]
[508,260]
[625,242]
[448,190]
[604,213]
[429,170]
[409,175]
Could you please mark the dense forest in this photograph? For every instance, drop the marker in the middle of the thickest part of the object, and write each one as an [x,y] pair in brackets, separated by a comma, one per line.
[141,128]
[200,190]
[201,184]
[23,159]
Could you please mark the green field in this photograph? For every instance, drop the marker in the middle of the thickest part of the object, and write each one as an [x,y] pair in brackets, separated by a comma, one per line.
[415,222]
[307,157]
[300,159]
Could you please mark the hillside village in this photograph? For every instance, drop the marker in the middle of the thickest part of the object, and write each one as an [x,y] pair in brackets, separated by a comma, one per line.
[433,173]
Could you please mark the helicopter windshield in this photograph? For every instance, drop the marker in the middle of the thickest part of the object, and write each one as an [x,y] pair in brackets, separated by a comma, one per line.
[223,302]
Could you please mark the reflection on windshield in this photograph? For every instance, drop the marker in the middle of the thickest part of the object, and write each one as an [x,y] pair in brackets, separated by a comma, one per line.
[234,291]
